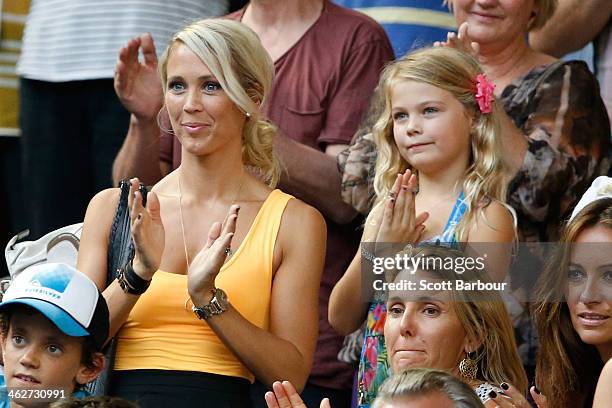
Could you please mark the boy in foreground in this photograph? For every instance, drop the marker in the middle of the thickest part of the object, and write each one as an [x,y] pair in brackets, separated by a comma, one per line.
[54,322]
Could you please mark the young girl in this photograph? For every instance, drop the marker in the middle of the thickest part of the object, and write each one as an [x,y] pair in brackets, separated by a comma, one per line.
[438,142]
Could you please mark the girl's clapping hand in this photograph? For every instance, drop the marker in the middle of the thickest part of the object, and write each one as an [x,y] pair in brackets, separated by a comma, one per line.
[399,223]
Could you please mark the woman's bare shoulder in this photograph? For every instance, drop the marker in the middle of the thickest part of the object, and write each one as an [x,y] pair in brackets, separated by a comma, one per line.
[101,212]
[301,225]
[603,393]
[105,201]
[96,231]
[298,214]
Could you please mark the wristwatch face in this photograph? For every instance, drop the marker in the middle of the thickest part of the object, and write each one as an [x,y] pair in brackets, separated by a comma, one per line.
[217,305]
[221,299]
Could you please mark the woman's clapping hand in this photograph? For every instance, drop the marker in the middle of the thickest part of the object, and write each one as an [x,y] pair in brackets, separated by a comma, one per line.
[284,395]
[461,41]
[147,231]
[207,263]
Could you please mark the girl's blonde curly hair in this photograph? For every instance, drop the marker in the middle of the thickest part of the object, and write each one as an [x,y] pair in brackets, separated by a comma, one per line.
[455,72]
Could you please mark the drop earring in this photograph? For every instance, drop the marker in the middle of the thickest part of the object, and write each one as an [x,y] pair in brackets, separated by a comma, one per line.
[468,366]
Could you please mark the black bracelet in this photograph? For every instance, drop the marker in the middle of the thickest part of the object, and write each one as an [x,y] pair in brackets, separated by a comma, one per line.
[130,282]
[136,282]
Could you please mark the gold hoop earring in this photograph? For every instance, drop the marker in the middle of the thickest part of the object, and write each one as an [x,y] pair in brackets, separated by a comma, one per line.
[468,366]
[169,131]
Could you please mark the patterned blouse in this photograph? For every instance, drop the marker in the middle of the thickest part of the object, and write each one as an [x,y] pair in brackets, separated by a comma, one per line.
[559,109]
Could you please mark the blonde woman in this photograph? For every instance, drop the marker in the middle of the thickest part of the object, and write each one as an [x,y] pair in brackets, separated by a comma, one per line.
[440,122]
[467,333]
[207,306]
[573,309]
[464,332]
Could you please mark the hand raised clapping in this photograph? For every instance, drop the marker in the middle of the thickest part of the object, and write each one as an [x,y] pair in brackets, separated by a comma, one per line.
[137,84]
[207,263]
[461,41]
[399,222]
[284,395]
[147,231]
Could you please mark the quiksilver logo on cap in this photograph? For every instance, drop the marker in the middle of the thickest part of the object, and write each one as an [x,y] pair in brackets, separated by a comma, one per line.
[52,279]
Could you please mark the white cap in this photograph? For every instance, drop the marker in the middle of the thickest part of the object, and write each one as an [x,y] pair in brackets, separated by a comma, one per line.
[67,297]
[601,188]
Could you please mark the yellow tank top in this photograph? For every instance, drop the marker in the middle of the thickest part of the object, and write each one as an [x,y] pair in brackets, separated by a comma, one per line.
[162,331]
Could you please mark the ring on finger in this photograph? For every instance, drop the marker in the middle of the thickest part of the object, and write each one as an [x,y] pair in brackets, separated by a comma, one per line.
[228,251]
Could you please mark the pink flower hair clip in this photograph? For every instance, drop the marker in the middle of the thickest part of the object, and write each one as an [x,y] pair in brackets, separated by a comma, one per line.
[484,93]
